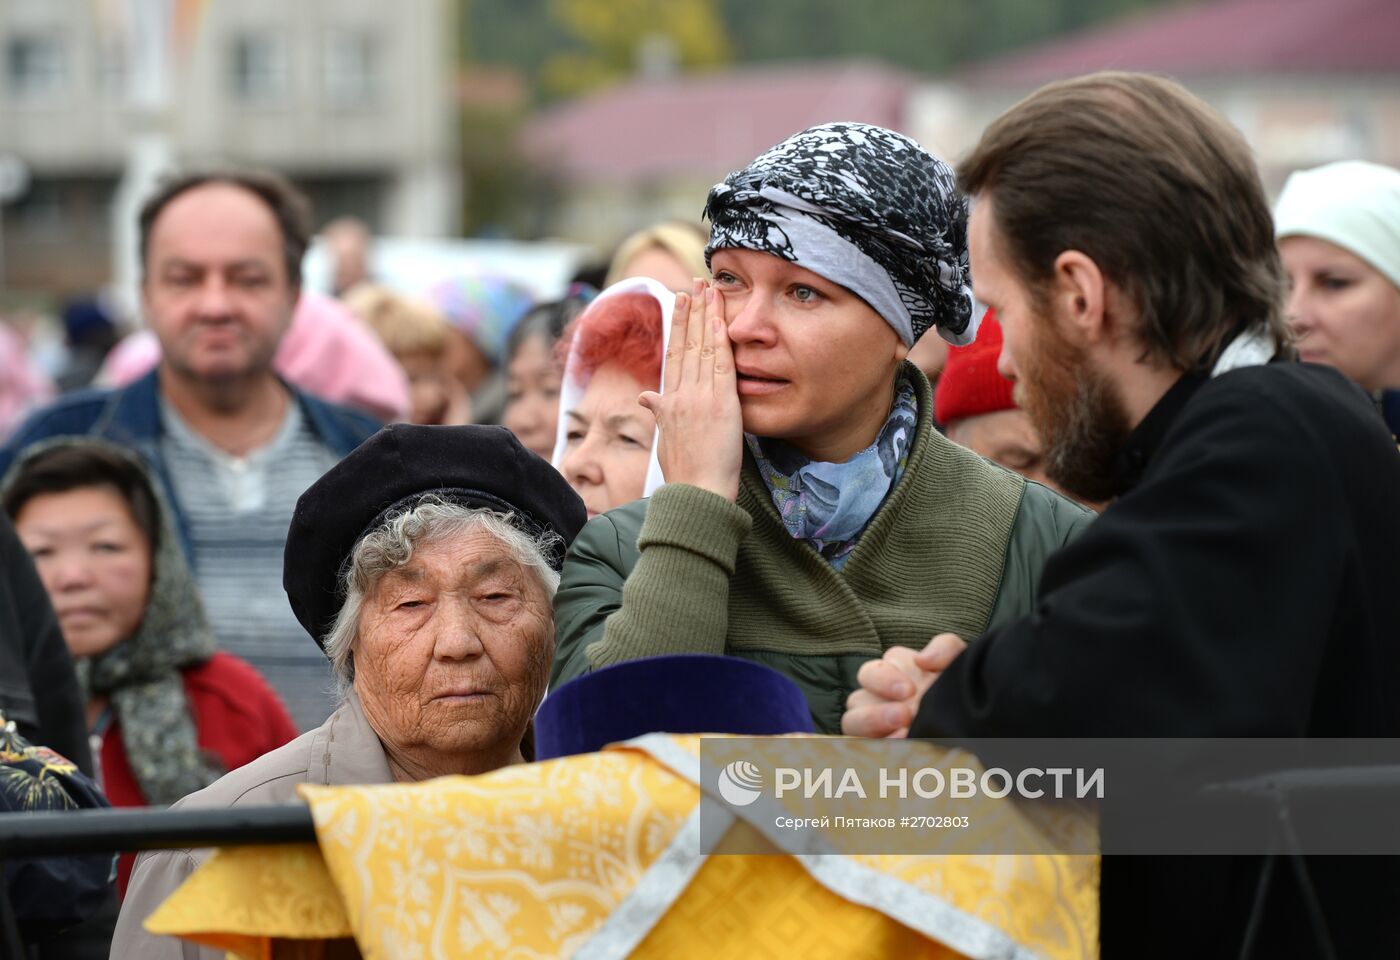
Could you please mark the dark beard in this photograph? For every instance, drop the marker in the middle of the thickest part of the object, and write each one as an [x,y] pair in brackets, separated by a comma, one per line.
[1078,415]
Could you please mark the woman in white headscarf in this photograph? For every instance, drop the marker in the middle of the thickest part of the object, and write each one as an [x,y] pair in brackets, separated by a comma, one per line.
[606,441]
[1339,235]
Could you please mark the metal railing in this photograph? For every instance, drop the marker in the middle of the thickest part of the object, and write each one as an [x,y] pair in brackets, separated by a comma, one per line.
[80,832]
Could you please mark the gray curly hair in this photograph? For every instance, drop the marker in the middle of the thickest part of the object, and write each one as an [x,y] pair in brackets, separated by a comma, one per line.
[390,546]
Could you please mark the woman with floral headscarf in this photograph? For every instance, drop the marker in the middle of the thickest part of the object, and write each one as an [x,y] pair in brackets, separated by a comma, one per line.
[812,516]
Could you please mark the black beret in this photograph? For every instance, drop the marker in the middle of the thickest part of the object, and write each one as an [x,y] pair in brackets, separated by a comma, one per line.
[475,466]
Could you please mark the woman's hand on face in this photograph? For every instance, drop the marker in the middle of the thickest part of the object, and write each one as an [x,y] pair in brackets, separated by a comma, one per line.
[697,413]
[891,687]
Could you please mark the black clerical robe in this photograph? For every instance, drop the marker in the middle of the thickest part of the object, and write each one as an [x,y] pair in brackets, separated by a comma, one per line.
[1243,584]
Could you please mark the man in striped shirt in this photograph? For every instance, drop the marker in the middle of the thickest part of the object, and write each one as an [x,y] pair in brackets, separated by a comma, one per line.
[233,444]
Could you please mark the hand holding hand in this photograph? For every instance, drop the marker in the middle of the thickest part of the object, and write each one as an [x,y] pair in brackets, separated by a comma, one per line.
[891,687]
[701,427]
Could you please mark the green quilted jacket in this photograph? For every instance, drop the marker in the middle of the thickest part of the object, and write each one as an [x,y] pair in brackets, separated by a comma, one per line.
[957,546]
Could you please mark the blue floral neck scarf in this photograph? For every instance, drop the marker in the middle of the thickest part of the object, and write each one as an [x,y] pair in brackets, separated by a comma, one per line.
[829,504]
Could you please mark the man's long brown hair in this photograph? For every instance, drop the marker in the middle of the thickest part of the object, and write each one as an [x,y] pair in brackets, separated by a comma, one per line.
[1157,188]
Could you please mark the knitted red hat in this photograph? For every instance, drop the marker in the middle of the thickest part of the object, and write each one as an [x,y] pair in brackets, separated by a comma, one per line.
[970,384]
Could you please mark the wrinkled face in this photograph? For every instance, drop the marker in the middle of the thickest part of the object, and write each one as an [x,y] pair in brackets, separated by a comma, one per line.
[660,265]
[1074,408]
[532,396]
[815,363]
[609,441]
[94,561]
[1005,437]
[454,648]
[1345,312]
[216,290]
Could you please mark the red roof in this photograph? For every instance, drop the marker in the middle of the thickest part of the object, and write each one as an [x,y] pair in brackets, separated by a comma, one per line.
[705,125]
[1227,37]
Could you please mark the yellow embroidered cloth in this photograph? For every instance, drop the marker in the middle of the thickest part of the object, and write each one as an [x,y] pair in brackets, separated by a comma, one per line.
[597,855]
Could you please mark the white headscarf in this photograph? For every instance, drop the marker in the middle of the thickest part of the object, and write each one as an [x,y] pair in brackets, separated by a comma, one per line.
[571,390]
[1352,204]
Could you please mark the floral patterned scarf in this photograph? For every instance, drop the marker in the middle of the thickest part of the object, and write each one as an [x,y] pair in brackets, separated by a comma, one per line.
[829,504]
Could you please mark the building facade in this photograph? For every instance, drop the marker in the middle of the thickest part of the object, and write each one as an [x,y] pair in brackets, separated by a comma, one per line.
[1306,81]
[352,99]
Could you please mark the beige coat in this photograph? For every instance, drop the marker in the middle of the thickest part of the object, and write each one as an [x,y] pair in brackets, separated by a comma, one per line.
[343,750]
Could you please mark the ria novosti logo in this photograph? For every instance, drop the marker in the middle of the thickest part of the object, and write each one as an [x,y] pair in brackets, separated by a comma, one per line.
[740,783]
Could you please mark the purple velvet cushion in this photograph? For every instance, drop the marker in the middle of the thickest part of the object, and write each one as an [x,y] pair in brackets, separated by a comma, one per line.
[689,693]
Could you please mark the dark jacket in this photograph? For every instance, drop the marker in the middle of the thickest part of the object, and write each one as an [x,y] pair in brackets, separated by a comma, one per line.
[957,545]
[1390,410]
[1241,586]
[38,688]
[39,692]
[49,895]
[130,417]
[343,751]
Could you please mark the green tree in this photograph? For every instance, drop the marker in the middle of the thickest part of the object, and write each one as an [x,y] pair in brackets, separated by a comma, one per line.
[610,36]
[516,33]
[927,36]
[568,46]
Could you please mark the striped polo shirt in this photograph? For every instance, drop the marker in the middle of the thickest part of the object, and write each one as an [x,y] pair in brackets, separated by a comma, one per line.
[238,510]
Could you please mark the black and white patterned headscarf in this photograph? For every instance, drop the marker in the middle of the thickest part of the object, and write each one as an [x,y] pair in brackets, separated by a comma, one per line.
[864,207]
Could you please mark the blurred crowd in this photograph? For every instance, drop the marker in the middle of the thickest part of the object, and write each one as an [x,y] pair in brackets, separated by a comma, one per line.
[840,429]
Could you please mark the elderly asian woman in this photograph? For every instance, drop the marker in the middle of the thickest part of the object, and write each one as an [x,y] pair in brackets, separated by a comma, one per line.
[424,564]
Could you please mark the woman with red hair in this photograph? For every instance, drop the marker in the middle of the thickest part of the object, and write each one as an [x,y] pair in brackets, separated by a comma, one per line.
[606,441]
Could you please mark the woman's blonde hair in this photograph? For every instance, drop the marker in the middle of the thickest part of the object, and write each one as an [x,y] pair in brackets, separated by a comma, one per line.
[406,326]
[681,239]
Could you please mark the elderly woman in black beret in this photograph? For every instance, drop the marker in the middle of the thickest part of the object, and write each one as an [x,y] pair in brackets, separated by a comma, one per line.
[424,564]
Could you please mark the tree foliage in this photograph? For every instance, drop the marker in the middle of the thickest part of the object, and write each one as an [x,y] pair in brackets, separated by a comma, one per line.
[567,47]
[570,46]
[927,36]
[613,35]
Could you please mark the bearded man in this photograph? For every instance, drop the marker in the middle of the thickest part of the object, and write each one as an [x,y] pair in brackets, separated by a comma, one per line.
[1239,584]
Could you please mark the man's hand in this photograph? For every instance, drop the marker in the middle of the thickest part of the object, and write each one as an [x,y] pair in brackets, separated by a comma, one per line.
[891,687]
